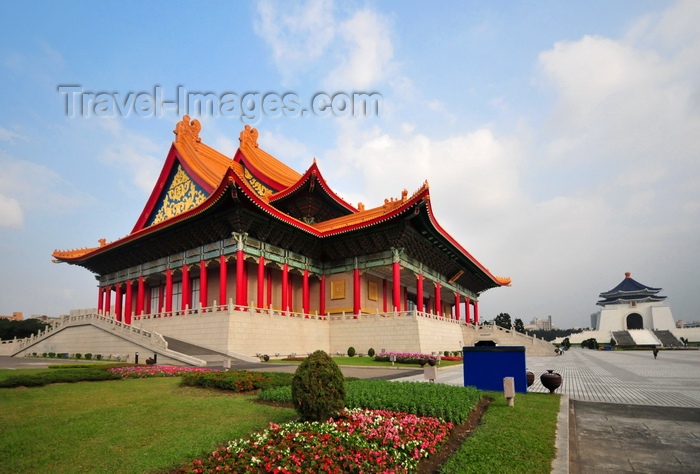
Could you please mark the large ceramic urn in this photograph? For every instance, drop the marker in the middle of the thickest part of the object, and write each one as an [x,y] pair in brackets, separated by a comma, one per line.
[551,380]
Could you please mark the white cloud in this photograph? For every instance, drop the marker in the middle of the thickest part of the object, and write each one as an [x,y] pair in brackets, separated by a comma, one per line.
[288,150]
[134,155]
[11,214]
[10,136]
[31,186]
[297,33]
[347,53]
[365,56]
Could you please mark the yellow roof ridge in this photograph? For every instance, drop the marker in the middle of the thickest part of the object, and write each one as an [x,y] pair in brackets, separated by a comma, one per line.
[264,162]
[363,214]
[209,164]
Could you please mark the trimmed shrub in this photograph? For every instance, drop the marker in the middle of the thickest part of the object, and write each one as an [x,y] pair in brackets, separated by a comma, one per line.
[351,351]
[98,357]
[370,352]
[57,376]
[52,354]
[45,354]
[318,388]
[446,353]
[88,356]
[78,355]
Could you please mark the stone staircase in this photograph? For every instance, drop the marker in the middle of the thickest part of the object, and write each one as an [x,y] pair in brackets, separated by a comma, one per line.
[644,337]
[623,339]
[667,339]
[212,357]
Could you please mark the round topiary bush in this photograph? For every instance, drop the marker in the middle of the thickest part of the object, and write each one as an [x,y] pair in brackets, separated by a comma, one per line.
[370,352]
[351,351]
[318,388]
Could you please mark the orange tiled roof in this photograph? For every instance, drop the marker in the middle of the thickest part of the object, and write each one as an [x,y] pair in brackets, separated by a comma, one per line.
[370,214]
[209,164]
[263,162]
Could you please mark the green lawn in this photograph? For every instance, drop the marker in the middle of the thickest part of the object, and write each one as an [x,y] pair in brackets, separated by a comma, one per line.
[517,439]
[154,425]
[124,426]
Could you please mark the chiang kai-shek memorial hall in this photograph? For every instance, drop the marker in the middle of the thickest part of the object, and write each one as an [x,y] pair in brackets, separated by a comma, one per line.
[244,256]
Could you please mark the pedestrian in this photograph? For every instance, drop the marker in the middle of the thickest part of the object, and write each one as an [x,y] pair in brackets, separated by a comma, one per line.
[656,352]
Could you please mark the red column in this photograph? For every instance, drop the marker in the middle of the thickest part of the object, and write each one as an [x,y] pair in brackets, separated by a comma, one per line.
[161,298]
[168,290]
[290,293]
[396,300]
[127,302]
[245,283]
[186,293]
[438,301]
[458,310]
[108,299]
[240,276]
[305,293]
[476,313]
[419,293]
[140,296]
[118,302]
[269,289]
[203,284]
[322,296]
[261,282]
[223,279]
[384,295]
[468,310]
[100,294]
[356,292]
[285,287]
[147,302]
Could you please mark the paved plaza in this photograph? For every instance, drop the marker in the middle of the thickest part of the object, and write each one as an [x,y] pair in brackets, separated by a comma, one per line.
[622,411]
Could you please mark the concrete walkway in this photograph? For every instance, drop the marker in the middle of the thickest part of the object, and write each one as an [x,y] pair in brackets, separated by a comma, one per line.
[622,411]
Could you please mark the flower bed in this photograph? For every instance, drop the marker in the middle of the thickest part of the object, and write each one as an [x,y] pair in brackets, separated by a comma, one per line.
[356,441]
[143,372]
[238,380]
[403,357]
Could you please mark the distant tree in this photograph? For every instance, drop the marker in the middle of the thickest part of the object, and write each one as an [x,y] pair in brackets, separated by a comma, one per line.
[503,320]
[551,334]
[20,329]
[518,325]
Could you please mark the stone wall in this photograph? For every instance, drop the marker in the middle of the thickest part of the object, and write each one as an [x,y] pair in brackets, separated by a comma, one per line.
[87,338]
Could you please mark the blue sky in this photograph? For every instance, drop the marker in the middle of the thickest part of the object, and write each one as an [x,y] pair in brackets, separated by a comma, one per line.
[560,139]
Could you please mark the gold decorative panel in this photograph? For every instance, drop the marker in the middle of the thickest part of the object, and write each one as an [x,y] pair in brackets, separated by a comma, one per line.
[338,289]
[182,195]
[259,188]
[372,292]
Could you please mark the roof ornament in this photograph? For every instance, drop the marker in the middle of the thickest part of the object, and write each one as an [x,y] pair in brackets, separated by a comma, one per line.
[360,206]
[102,242]
[187,130]
[249,136]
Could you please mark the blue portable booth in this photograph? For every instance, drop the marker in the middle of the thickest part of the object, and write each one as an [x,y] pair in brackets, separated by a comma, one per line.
[485,367]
